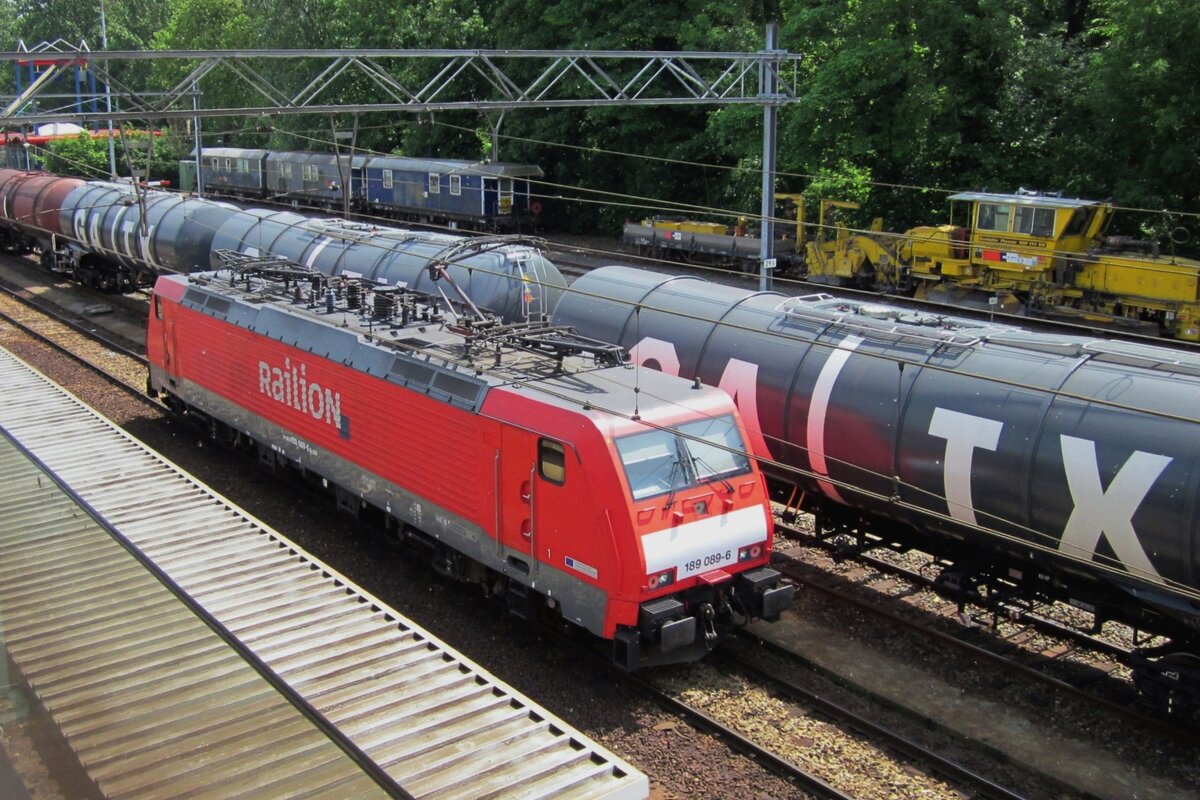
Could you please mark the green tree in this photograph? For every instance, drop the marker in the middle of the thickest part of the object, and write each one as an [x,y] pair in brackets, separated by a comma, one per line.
[81,155]
[205,25]
[1140,116]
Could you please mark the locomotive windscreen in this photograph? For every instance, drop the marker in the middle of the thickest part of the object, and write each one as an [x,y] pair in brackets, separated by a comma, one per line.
[661,461]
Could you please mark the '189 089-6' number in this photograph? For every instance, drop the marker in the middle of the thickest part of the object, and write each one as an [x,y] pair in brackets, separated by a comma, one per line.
[710,560]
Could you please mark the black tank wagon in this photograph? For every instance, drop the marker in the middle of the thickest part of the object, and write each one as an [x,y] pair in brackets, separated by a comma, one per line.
[109,236]
[1073,463]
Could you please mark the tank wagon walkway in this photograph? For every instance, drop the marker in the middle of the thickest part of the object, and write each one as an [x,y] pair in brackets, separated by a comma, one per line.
[155,703]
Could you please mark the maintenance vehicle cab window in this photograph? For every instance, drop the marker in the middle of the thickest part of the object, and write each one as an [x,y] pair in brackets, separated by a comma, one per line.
[1034,221]
[667,460]
[994,216]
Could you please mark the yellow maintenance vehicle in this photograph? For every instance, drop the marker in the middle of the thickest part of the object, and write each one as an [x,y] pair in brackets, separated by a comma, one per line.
[1032,253]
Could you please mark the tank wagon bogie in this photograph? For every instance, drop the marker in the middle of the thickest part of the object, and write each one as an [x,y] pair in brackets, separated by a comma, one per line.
[506,457]
[1049,466]
[476,195]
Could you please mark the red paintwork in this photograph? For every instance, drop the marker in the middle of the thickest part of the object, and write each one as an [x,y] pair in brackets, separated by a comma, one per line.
[476,466]
[41,139]
[34,199]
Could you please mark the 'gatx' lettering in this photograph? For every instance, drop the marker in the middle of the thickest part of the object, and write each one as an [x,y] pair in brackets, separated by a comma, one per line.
[1097,512]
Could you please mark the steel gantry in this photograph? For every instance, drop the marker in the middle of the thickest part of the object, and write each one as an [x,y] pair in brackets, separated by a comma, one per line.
[453,80]
[311,82]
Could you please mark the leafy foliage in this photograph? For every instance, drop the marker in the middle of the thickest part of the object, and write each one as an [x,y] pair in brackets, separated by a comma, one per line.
[897,102]
[88,156]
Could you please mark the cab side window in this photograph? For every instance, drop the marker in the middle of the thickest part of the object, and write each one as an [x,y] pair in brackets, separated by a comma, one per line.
[993,217]
[1034,221]
[552,461]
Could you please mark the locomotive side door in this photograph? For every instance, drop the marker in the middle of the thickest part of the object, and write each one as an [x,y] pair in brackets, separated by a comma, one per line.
[516,490]
[531,476]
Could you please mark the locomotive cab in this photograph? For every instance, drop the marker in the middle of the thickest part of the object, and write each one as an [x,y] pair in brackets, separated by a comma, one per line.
[697,505]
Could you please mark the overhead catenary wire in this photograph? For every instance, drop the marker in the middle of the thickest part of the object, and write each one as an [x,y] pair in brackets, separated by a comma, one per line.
[651,204]
[654,204]
[394,247]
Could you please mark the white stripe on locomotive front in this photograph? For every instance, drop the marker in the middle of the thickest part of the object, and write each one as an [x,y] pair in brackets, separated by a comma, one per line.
[697,541]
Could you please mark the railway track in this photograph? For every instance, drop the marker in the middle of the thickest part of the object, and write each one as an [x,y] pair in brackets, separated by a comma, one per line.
[835,747]
[963,778]
[52,332]
[764,757]
[836,752]
[1090,667]
[61,332]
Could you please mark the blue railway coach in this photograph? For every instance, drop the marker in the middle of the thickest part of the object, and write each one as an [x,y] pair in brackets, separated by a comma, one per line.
[233,171]
[456,192]
[314,179]
[490,195]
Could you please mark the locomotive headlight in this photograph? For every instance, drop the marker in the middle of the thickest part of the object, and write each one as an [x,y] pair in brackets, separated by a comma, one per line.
[660,579]
[751,552]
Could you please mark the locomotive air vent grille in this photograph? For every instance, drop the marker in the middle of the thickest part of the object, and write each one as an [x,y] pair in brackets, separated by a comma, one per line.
[217,305]
[457,387]
[411,374]
[194,298]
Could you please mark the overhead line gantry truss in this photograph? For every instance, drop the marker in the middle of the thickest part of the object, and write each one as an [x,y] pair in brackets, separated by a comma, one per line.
[478,80]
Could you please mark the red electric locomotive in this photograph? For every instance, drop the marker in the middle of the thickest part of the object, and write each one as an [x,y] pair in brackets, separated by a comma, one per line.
[525,459]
